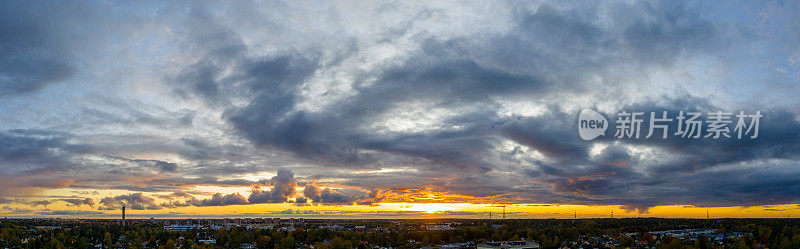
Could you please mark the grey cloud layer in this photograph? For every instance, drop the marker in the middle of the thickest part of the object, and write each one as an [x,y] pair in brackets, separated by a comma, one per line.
[486,113]
[282,190]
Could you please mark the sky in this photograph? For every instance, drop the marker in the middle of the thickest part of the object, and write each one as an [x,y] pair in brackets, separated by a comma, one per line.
[392,109]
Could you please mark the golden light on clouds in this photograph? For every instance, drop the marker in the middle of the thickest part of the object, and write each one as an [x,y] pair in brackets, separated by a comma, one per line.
[425,204]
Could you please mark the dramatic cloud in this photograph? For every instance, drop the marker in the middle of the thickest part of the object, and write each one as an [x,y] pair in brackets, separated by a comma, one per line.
[33,55]
[135,201]
[391,102]
[78,202]
[283,187]
[160,165]
[41,203]
[301,212]
[220,200]
[178,194]
[30,159]
[70,212]
[325,196]
[13,210]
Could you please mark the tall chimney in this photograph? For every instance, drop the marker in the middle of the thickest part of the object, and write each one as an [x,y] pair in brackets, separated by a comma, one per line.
[123,215]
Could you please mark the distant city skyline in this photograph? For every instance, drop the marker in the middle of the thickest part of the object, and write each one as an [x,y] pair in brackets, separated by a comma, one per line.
[408,109]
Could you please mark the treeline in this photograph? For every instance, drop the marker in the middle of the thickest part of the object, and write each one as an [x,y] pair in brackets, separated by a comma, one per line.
[549,233]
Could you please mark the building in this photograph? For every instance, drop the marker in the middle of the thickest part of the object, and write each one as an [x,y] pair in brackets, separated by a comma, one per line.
[182,227]
[209,241]
[508,244]
[439,227]
[464,245]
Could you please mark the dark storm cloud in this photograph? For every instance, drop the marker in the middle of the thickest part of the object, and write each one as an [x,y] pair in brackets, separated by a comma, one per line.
[38,159]
[184,181]
[135,201]
[778,137]
[29,146]
[14,210]
[47,159]
[283,187]
[259,107]
[220,44]
[762,184]
[40,203]
[699,171]
[267,120]
[223,48]
[552,134]
[154,182]
[325,195]
[79,202]
[374,197]
[42,42]
[175,204]
[69,212]
[177,194]
[221,200]
[31,158]
[265,196]
[32,54]
[464,71]
[156,164]
[300,212]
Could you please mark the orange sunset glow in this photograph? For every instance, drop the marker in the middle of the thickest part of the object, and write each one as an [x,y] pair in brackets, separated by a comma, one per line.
[388,110]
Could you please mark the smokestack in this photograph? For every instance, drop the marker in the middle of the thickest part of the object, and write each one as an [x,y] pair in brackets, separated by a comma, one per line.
[123,215]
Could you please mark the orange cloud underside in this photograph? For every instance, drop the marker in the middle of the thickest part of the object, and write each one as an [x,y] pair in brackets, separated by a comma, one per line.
[416,203]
